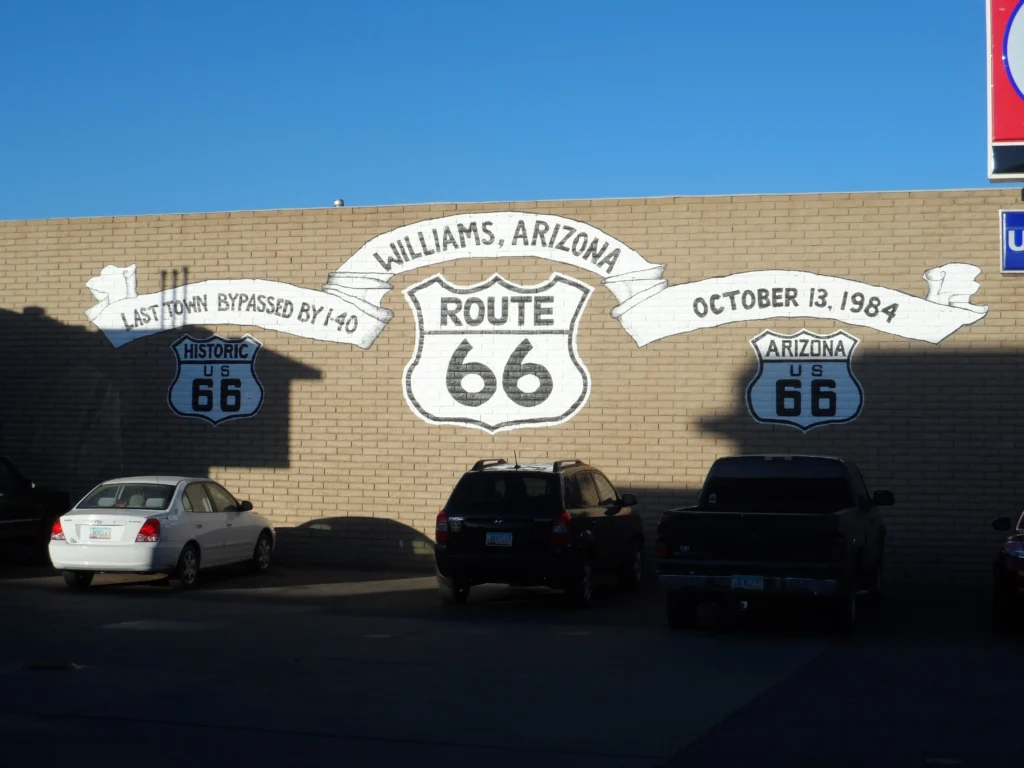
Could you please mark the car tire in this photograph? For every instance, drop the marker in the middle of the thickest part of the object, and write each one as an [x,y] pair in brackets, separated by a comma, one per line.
[78,579]
[843,611]
[873,600]
[456,593]
[1006,614]
[632,574]
[581,586]
[186,574]
[262,554]
[681,611]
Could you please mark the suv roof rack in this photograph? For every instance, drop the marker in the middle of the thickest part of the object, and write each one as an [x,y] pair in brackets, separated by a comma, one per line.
[566,463]
[484,463]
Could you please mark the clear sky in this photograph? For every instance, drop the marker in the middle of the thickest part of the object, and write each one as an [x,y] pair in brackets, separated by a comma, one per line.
[130,107]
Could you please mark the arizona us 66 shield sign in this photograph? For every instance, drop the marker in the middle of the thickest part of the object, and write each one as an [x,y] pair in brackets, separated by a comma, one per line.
[497,355]
[216,378]
[804,380]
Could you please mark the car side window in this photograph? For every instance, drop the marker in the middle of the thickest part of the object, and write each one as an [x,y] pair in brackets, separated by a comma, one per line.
[197,498]
[222,500]
[605,492]
[572,493]
[588,492]
[860,486]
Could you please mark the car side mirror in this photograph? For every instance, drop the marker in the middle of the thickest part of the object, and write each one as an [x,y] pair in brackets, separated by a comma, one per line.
[629,500]
[1002,524]
[245,506]
[883,498]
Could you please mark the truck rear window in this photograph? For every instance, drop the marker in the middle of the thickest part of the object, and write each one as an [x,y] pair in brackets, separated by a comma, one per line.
[808,486]
[509,493]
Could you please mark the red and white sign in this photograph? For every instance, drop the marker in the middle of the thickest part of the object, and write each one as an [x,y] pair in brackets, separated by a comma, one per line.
[1005,90]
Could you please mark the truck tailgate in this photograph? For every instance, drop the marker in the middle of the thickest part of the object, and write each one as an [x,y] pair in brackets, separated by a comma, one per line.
[694,535]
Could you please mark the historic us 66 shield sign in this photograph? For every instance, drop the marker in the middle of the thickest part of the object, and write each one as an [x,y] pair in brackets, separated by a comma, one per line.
[216,378]
[804,380]
[497,355]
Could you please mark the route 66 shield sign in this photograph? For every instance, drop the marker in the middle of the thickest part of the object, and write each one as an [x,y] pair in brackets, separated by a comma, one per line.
[216,378]
[497,355]
[804,380]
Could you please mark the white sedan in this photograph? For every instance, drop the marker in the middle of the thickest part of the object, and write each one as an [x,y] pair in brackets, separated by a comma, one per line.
[173,525]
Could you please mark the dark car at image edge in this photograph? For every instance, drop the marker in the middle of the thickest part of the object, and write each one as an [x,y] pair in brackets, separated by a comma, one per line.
[560,525]
[27,511]
[1008,576]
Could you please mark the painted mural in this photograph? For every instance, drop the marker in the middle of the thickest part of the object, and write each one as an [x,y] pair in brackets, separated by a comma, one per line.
[497,355]
[216,379]
[804,380]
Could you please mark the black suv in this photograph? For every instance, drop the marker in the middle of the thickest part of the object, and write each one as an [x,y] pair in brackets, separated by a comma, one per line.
[558,525]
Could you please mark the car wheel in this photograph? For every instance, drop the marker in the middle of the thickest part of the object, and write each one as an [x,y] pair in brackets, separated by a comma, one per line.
[262,554]
[681,611]
[456,593]
[78,579]
[632,574]
[581,588]
[1005,613]
[186,575]
[874,596]
[843,611]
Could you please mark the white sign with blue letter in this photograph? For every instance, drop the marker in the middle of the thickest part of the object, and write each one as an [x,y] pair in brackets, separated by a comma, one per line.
[1012,240]
[804,380]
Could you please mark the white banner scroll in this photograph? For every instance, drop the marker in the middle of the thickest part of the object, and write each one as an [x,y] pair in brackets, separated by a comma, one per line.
[781,293]
[123,316]
[648,308]
[348,310]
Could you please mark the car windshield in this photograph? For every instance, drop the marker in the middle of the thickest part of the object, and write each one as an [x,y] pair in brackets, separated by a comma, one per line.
[129,496]
[810,486]
[511,493]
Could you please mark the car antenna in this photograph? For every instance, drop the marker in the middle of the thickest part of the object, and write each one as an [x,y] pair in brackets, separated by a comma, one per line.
[515,456]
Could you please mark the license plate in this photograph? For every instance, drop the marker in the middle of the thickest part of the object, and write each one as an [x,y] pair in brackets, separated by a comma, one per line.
[99,533]
[748,582]
[498,539]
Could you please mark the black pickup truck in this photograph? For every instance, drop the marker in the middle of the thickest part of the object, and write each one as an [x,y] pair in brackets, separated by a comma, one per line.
[27,512]
[771,527]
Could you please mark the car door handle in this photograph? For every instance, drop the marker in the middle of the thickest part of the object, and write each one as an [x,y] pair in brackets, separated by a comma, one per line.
[229,525]
[199,525]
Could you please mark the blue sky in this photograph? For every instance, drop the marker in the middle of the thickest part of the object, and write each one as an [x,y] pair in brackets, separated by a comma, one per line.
[130,108]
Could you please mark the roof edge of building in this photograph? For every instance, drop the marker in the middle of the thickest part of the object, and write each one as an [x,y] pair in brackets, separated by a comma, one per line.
[511,204]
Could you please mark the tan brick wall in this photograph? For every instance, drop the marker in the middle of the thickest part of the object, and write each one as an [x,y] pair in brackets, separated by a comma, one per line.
[337,453]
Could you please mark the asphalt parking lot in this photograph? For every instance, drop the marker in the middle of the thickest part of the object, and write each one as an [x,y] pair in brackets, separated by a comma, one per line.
[305,667]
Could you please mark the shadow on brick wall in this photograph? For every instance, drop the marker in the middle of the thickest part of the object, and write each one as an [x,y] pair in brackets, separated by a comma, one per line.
[942,429]
[75,411]
[356,542]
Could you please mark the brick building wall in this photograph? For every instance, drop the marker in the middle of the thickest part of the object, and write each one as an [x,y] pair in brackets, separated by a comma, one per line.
[351,474]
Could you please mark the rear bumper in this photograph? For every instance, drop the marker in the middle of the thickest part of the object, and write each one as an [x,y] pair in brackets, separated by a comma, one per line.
[503,568]
[779,578]
[773,585]
[127,558]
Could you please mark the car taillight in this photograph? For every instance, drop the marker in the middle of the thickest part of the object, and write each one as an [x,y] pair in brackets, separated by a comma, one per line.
[441,529]
[561,533]
[57,532]
[661,544]
[839,547]
[149,532]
